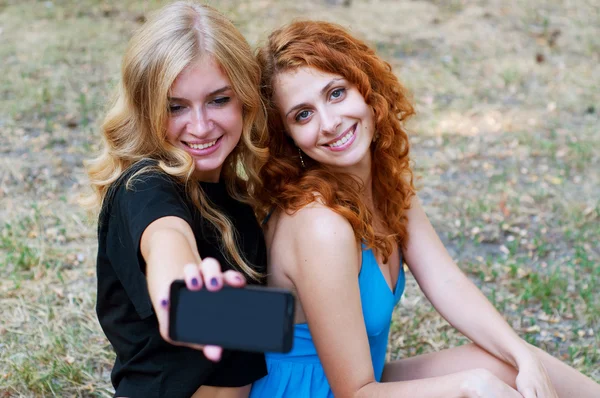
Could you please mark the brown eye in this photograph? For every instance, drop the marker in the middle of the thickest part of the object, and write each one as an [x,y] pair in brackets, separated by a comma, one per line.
[221,100]
[175,108]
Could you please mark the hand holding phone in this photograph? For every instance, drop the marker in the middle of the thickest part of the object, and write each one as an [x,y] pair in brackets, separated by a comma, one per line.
[252,318]
[205,275]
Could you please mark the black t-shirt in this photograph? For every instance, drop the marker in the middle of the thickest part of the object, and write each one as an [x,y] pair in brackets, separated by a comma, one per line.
[146,365]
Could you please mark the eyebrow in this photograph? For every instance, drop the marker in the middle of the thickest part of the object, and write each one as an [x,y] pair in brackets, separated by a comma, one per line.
[323,91]
[215,92]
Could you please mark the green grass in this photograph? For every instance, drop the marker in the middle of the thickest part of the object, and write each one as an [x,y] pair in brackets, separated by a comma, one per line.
[505,148]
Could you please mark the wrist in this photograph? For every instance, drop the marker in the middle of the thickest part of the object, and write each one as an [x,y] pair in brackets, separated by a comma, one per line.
[522,356]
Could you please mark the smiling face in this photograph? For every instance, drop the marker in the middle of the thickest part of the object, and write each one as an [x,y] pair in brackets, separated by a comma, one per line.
[205,117]
[327,117]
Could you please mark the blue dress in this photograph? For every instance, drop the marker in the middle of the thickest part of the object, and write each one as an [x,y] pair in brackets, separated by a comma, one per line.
[299,373]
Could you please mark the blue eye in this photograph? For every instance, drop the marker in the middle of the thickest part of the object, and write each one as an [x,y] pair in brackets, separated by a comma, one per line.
[301,116]
[337,93]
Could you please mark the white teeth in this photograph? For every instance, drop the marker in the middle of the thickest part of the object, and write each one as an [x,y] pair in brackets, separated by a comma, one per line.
[343,140]
[202,146]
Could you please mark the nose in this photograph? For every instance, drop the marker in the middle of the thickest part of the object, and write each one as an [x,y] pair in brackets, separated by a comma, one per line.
[200,123]
[330,121]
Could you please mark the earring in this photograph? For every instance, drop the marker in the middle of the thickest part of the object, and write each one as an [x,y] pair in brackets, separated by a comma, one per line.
[301,159]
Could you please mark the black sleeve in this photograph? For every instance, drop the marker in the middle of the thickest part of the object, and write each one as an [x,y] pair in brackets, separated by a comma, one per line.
[238,369]
[134,206]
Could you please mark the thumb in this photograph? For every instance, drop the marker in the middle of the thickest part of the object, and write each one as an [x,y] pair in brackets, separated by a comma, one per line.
[161,309]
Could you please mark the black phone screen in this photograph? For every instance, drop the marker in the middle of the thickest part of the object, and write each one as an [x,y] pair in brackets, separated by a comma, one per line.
[251,318]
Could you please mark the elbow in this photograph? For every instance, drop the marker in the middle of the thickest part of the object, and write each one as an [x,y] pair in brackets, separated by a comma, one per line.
[364,391]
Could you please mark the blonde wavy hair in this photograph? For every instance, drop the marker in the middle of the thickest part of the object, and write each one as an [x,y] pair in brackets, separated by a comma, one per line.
[135,126]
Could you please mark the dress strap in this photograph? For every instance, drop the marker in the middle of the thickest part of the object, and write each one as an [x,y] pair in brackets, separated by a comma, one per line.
[267,217]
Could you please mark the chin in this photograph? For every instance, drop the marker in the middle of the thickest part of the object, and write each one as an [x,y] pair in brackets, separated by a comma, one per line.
[208,168]
[353,159]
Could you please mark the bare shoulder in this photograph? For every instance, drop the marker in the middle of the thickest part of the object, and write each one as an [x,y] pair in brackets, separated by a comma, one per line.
[310,237]
[318,224]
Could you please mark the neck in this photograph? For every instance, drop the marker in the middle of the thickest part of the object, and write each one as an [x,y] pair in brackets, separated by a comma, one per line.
[207,176]
[367,193]
[362,173]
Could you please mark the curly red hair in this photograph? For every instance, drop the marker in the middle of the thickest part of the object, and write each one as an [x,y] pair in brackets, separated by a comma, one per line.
[287,185]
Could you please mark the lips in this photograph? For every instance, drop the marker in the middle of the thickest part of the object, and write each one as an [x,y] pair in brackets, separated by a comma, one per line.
[342,138]
[201,145]
[203,148]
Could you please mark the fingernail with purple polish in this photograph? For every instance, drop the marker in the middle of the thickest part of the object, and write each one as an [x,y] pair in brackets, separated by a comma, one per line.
[214,282]
[164,302]
[194,281]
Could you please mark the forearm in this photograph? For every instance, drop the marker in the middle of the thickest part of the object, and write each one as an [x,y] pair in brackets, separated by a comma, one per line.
[449,386]
[166,253]
[465,307]
[454,296]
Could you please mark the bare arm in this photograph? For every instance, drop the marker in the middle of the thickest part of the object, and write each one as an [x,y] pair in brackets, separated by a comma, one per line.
[169,248]
[167,245]
[454,296]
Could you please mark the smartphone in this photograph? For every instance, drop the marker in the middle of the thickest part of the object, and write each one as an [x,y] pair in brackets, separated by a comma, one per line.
[252,318]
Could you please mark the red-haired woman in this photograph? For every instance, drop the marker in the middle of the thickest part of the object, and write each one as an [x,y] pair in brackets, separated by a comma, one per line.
[343,218]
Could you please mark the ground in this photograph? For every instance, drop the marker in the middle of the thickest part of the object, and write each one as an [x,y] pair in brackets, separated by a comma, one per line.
[508,102]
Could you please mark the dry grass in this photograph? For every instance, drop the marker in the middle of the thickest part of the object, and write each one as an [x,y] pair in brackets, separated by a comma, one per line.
[508,95]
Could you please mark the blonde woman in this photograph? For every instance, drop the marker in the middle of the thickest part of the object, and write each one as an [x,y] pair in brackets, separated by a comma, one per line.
[171,201]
